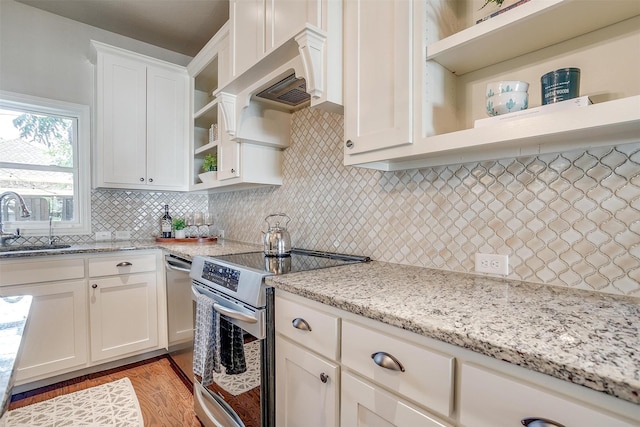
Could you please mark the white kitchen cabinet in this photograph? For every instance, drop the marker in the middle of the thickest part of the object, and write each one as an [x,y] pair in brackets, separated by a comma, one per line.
[57,335]
[142,113]
[123,305]
[378,93]
[56,338]
[511,400]
[307,380]
[307,387]
[408,370]
[365,405]
[453,59]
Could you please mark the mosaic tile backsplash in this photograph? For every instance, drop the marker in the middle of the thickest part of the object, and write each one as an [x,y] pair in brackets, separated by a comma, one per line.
[570,219]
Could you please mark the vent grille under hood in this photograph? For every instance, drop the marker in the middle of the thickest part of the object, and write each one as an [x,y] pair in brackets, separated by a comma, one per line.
[291,91]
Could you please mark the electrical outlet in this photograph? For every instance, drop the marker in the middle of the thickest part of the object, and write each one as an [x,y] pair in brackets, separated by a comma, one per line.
[123,235]
[492,263]
[102,236]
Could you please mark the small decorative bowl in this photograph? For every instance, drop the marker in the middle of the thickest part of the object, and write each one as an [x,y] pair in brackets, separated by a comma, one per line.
[504,86]
[507,102]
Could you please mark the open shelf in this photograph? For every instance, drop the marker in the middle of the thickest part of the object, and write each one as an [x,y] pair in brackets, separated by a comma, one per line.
[524,29]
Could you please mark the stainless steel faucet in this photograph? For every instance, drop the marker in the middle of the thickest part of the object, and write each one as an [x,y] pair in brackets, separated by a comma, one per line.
[4,236]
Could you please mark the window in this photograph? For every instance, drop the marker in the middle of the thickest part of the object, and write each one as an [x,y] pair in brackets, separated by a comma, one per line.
[44,157]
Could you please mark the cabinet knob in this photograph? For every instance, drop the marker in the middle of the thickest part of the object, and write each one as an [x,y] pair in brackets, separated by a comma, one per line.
[94,286]
[150,179]
[124,264]
[349,143]
[301,324]
[539,422]
[233,171]
[141,179]
[387,361]
[324,377]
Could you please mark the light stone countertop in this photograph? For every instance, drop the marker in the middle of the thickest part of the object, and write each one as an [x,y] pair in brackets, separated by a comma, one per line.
[587,338]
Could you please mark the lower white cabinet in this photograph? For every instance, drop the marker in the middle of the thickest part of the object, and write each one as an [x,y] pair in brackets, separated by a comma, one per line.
[307,387]
[123,315]
[56,336]
[366,405]
[491,399]
[86,310]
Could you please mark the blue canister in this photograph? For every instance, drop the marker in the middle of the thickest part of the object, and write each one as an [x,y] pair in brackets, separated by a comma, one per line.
[560,85]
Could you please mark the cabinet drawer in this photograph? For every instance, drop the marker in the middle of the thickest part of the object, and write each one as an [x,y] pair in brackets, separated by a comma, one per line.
[427,378]
[489,399]
[40,270]
[125,263]
[322,336]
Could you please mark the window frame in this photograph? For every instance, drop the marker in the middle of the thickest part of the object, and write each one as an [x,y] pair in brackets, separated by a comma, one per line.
[81,162]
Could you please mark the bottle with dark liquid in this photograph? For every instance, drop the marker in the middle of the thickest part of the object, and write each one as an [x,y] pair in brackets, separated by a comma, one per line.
[165,223]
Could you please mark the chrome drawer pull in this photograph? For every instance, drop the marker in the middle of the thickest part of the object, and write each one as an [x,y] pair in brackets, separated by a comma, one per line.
[387,361]
[301,324]
[324,377]
[539,422]
[124,264]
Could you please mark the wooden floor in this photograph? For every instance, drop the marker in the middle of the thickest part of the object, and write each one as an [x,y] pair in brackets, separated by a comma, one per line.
[164,398]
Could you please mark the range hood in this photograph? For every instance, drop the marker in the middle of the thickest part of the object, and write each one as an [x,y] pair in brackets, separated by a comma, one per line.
[290,91]
[305,70]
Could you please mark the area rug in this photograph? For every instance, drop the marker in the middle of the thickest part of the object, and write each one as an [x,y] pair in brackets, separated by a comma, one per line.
[240,383]
[111,404]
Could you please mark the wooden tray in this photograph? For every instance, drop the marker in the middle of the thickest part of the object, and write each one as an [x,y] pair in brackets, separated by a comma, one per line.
[187,240]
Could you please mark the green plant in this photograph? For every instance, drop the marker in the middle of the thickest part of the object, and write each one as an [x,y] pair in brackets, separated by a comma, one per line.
[178,224]
[498,2]
[210,163]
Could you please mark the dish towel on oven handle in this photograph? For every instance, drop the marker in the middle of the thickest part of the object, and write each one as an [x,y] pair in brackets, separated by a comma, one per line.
[217,342]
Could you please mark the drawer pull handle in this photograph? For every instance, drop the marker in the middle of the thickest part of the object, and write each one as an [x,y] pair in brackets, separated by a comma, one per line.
[387,361]
[539,422]
[124,264]
[94,286]
[324,377]
[301,324]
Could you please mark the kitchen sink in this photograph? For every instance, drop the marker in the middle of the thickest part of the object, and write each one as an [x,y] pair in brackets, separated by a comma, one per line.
[32,248]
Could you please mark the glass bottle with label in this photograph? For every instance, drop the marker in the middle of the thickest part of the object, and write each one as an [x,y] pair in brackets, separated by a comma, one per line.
[165,223]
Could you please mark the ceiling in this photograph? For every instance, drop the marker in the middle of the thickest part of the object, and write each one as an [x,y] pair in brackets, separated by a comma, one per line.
[183,26]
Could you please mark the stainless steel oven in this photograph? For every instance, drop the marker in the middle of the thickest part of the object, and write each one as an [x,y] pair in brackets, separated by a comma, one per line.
[235,286]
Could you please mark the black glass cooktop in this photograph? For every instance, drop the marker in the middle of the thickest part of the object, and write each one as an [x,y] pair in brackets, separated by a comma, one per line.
[299,260]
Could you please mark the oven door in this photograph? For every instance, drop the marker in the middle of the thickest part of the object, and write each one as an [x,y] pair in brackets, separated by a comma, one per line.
[238,400]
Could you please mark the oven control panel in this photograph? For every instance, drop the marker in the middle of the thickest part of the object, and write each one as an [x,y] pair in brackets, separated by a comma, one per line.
[226,277]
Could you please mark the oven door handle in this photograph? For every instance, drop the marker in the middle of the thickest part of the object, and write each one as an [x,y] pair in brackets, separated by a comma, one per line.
[234,314]
[229,312]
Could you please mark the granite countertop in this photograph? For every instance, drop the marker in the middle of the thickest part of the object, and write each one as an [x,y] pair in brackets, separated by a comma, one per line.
[587,338]
[13,318]
[184,250]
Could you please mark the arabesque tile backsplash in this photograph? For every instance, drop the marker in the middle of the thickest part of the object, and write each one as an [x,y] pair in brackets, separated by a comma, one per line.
[570,219]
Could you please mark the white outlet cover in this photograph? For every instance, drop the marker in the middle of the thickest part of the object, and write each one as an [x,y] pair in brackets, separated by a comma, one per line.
[123,235]
[492,264]
[103,235]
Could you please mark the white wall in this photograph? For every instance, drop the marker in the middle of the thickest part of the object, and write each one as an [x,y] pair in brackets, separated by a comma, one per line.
[45,55]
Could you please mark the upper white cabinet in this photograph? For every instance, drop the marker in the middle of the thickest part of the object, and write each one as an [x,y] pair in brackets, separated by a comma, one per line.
[451,60]
[142,134]
[377,46]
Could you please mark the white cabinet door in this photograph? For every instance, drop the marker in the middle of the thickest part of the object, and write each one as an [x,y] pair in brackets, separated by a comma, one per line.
[378,85]
[228,154]
[122,118]
[123,313]
[247,33]
[307,388]
[167,115]
[364,405]
[56,336]
[491,399]
[142,115]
